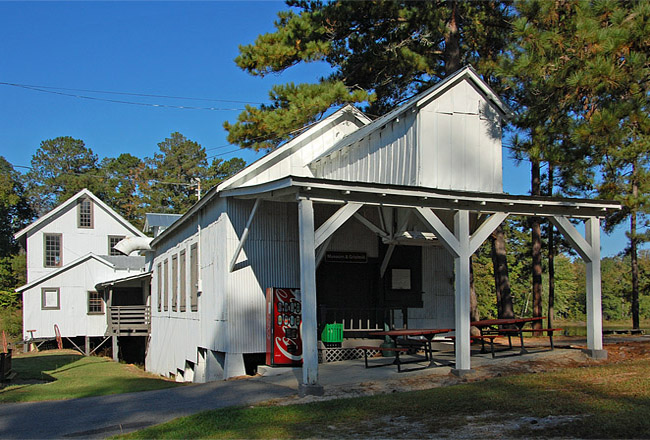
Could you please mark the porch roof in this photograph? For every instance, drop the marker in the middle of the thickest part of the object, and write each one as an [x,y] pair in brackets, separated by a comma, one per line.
[118,281]
[292,188]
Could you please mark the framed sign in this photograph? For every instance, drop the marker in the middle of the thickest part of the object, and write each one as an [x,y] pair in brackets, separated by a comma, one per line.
[401,279]
[346,257]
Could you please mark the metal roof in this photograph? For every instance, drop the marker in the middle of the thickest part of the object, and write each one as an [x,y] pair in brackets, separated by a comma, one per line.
[153,220]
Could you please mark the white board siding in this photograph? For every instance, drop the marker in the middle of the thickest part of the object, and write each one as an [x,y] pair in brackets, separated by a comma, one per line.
[76,242]
[460,142]
[72,316]
[386,156]
[295,163]
[438,291]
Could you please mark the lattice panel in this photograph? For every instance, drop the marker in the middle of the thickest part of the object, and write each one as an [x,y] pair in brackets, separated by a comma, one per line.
[342,354]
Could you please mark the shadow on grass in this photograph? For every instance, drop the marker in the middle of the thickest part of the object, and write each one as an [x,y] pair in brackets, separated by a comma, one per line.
[607,408]
[34,367]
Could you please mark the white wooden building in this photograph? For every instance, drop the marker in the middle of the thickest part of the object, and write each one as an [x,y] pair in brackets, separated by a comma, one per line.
[414,193]
[69,251]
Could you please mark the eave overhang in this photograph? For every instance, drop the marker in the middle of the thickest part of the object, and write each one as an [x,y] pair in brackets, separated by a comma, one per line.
[293,188]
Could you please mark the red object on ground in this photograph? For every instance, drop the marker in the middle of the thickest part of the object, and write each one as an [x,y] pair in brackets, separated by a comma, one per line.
[283,327]
[59,341]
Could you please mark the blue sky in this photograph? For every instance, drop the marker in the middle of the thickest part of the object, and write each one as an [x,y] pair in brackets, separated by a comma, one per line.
[157,48]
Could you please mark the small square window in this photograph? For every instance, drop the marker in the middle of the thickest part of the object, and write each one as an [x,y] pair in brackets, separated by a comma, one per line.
[50,298]
[112,241]
[95,303]
[85,213]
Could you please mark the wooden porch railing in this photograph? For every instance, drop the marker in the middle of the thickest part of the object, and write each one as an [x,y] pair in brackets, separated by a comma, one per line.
[357,321]
[129,320]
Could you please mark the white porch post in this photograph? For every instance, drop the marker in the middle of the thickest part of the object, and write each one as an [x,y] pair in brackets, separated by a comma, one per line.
[306,244]
[594,302]
[589,250]
[462,287]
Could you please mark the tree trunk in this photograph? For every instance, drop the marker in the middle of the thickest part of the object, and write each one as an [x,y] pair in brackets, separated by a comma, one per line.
[551,257]
[536,238]
[452,41]
[473,301]
[633,253]
[505,308]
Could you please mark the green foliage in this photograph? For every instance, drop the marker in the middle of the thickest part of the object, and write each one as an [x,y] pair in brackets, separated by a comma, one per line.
[380,52]
[14,208]
[123,178]
[221,169]
[169,174]
[60,168]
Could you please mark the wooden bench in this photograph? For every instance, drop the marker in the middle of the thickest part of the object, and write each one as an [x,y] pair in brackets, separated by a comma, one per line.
[396,350]
[541,330]
[482,338]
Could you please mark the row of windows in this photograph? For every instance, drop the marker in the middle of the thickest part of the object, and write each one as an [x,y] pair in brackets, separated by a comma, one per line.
[179,281]
[51,300]
[53,248]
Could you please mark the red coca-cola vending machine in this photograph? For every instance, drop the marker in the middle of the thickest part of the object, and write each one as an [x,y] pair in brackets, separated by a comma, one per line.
[283,318]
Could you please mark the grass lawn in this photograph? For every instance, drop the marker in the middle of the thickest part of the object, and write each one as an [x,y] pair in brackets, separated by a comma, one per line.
[70,375]
[606,401]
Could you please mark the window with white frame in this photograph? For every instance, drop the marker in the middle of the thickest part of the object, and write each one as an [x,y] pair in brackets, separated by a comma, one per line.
[52,250]
[50,298]
[95,303]
[85,213]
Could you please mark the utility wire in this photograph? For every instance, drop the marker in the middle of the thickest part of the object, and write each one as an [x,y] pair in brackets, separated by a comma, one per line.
[117,101]
[130,94]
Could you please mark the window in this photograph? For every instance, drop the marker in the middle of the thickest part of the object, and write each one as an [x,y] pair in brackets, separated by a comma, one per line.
[159,286]
[85,213]
[52,250]
[112,241]
[50,298]
[95,303]
[183,281]
[166,285]
[194,277]
[174,282]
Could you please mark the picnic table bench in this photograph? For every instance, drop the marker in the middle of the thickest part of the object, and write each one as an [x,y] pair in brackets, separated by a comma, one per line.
[482,338]
[396,350]
[516,327]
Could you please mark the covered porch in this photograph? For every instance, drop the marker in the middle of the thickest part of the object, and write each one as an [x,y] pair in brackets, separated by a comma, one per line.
[459,221]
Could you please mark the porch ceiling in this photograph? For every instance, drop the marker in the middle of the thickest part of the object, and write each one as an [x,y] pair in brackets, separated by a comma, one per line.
[293,188]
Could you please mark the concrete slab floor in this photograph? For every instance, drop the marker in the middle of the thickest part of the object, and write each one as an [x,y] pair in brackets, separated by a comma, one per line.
[351,378]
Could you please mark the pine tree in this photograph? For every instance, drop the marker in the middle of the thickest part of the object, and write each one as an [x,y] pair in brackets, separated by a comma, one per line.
[123,178]
[380,52]
[169,185]
[581,70]
[60,168]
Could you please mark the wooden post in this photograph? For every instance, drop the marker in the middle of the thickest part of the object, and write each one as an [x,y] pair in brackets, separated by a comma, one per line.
[589,250]
[116,349]
[306,244]
[594,301]
[87,346]
[462,287]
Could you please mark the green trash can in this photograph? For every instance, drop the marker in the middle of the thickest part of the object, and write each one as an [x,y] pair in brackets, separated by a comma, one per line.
[332,335]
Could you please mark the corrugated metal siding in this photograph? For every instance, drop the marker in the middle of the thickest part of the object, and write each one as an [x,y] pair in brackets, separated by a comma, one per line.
[176,336]
[269,259]
[437,285]
[386,156]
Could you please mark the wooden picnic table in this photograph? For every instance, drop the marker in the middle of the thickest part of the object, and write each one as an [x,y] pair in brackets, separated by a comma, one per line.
[487,326]
[427,333]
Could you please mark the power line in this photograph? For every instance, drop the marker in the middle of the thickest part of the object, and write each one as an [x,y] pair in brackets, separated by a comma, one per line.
[131,94]
[118,101]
